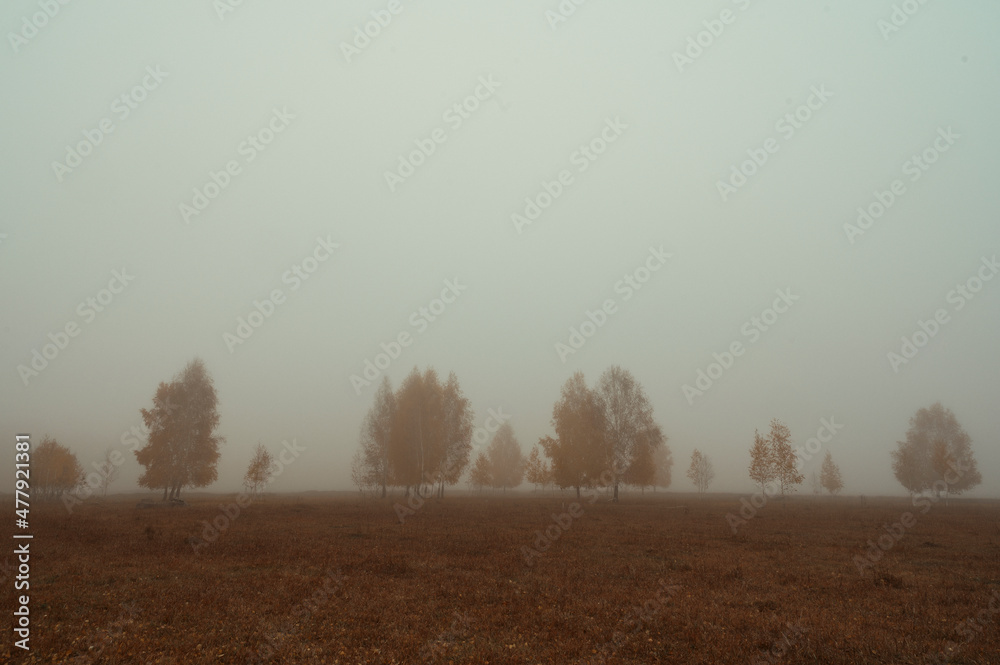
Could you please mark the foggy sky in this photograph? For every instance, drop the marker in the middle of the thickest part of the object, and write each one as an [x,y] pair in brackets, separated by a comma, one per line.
[209,80]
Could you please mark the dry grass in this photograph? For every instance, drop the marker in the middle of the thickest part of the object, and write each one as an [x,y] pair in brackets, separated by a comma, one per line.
[451,584]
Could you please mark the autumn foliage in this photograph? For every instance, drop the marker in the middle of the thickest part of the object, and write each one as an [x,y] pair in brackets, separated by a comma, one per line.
[259,471]
[829,476]
[182,450]
[936,455]
[700,472]
[419,435]
[605,436]
[772,459]
[54,469]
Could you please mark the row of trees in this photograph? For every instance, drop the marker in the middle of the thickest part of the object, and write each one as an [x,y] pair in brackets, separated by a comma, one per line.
[936,456]
[773,462]
[56,471]
[606,436]
[420,436]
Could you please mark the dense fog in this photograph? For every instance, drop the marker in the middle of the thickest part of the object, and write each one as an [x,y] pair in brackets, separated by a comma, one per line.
[760,209]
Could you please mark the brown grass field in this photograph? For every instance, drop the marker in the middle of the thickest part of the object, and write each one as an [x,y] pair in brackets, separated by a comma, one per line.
[658,578]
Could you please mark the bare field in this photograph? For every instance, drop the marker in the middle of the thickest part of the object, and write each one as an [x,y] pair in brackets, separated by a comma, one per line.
[654,578]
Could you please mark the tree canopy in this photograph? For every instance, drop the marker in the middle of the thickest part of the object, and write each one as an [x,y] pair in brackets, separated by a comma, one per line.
[182,449]
[936,455]
[506,462]
[418,435]
[55,469]
[829,476]
[700,472]
[605,436]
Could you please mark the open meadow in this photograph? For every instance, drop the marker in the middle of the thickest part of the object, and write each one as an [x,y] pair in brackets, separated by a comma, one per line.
[653,578]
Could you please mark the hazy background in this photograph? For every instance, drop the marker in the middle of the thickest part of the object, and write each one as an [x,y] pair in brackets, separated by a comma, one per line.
[656,185]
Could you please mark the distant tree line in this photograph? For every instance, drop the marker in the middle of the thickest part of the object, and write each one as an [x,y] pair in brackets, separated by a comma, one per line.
[418,438]
[420,435]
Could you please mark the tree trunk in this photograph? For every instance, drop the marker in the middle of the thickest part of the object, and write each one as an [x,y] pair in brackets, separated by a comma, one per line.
[383,491]
[616,492]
